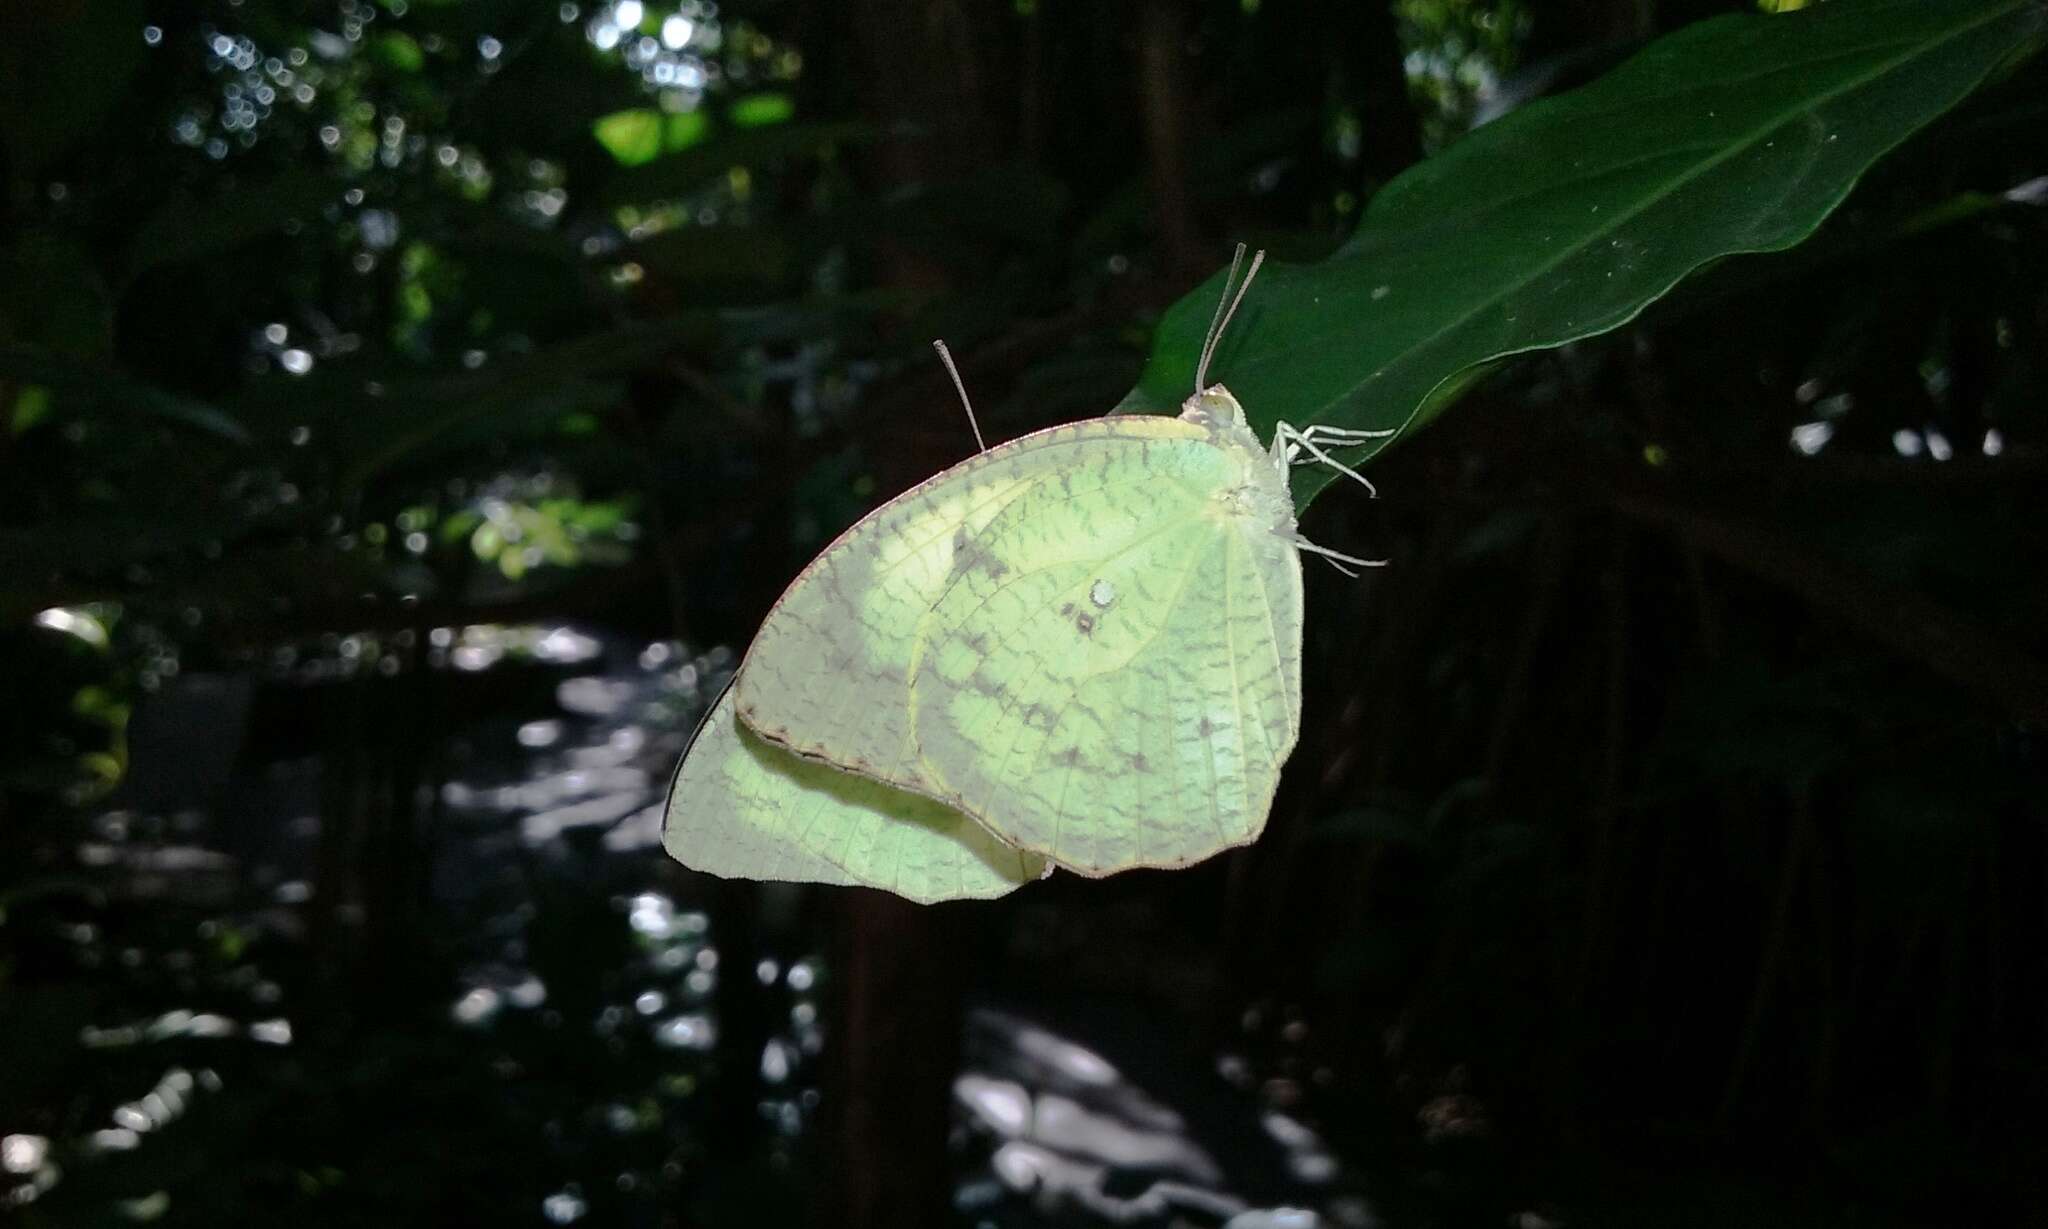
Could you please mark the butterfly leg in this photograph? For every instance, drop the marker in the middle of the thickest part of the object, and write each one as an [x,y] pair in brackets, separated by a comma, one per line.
[1342,435]
[1337,559]
[1289,442]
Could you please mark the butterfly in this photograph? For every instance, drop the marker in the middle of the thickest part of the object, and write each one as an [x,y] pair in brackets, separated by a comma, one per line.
[1084,643]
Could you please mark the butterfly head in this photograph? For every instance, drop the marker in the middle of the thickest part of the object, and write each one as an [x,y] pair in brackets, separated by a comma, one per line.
[1215,409]
[1261,496]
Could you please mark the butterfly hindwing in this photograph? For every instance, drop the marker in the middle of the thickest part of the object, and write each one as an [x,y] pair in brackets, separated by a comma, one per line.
[741,807]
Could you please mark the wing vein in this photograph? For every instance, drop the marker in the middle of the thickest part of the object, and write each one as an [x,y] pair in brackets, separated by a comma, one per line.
[1026,574]
[1236,688]
[1003,710]
[1279,662]
[847,695]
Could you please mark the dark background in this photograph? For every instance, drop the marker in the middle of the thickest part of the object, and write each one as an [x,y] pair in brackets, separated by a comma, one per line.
[407,407]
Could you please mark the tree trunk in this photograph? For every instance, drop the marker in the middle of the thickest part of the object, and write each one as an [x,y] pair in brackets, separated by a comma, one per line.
[893,1043]
[1163,101]
[893,1053]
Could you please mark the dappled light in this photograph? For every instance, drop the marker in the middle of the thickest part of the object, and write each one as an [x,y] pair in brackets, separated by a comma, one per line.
[416,417]
[1060,1126]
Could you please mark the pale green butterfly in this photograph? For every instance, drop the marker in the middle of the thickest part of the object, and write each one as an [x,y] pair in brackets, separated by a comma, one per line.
[740,807]
[1088,639]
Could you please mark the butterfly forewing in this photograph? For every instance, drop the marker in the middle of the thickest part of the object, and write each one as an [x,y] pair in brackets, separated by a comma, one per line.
[1112,680]
[828,675]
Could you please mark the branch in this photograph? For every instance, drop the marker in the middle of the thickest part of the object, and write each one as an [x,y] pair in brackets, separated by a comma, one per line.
[1163,100]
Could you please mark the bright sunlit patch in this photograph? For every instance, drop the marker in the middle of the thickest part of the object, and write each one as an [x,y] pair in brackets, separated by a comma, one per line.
[1287,1132]
[1810,437]
[1080,1064]
[564,1207]
[23,1154]
[1907,443]
[1994,442]
[74,622]
[108,1038]
[1282,1218]
[594,697]
[1004,1106]
[652,914]
[693,1032]
[566,645]
[1307,1159]
[1077,1130]
[476,1007]
[1020,1166]
[2032,192]
[1938,446]
[272,1032]
[473,657]
[543,733]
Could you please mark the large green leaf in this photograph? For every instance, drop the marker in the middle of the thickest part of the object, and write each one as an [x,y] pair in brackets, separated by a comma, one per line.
[1567,218]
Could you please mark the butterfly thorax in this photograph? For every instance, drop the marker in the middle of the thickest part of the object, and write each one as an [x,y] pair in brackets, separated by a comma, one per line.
[1262,497]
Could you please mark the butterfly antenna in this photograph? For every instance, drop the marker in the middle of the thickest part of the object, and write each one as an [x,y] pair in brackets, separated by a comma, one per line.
[960,386]
[1216,319]
[1258,258]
